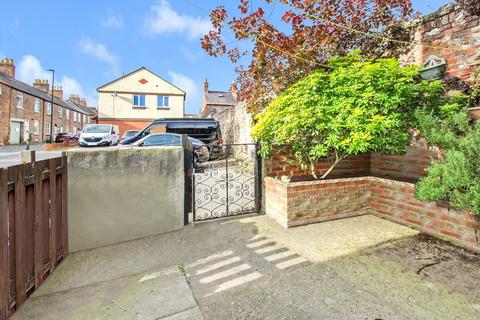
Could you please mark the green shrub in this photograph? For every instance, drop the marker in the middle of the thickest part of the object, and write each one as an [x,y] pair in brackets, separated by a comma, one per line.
[358,106]
[456,178]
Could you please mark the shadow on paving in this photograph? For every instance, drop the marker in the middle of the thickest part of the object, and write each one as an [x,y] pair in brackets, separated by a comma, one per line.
[250,268]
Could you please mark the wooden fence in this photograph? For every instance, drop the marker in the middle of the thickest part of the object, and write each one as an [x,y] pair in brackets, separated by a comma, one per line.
[33,227]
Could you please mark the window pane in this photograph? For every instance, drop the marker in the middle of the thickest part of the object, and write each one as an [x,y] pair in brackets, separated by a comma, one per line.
[161,140]
[135,100]
[160,101]
[142,101]
[165,102]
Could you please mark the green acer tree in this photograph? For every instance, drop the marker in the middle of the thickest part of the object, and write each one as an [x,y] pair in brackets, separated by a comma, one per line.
[356,106]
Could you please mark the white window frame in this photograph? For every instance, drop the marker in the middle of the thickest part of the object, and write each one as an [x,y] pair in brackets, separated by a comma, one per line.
[36,127]
[37,105]
[47,129]
[60,112]
[67,114]
[49,108]
[19,99]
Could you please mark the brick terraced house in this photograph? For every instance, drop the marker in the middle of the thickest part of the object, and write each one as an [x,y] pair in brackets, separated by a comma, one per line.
[27,109]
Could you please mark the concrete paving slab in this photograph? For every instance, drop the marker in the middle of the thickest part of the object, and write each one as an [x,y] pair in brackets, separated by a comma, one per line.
[251,268]
[162,294]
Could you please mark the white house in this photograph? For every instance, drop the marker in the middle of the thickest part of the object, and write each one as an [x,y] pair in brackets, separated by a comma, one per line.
[134,100]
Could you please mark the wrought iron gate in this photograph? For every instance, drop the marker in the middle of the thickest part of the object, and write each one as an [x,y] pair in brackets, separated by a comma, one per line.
[227,184]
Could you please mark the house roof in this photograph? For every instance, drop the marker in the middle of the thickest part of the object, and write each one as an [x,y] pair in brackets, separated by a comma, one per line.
[23,87]
[134,71]
[223,98]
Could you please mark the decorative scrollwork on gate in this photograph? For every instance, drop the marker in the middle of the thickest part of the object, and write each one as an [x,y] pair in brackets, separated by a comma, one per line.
[226,184]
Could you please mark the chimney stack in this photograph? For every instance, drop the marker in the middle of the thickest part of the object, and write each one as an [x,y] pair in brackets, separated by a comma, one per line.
[205,86]
[7,66]
[58,92]
[42,85]
[77,100]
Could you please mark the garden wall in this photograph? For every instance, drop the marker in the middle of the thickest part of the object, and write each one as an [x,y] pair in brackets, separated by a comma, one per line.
[120,194]
[298,203]
[410,166]
[282,163]
[396,201]
[449,27]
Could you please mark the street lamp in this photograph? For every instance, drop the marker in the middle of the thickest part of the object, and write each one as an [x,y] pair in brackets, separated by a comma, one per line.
[51,106]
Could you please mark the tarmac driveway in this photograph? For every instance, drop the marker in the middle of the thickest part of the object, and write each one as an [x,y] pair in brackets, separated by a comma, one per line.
[250,268]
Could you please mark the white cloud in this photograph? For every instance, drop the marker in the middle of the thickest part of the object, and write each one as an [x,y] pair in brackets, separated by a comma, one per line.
[163,19]
[99,51]
[113,21]
[30,68]
[193,101]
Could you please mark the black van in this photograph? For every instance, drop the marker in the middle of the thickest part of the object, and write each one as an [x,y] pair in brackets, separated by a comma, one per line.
[206,130]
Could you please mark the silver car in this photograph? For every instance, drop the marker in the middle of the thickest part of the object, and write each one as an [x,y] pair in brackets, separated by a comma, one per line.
[201,153]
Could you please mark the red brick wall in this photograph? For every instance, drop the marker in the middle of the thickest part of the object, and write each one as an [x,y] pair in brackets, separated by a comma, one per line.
[449,27]
[9,110]
[4,114]
[124,125]
[410,166]
[299,203]
[396,201]
[283,163]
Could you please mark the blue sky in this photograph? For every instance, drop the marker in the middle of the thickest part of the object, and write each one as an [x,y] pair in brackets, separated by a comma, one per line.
[91,42]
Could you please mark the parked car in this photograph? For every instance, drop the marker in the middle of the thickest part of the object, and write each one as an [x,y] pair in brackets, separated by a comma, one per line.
[129,134]
[201,153]
[206,130]
[98,135]
[65,137]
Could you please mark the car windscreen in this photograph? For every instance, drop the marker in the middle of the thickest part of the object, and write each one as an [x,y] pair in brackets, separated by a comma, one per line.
[129,134]
[163,139]
[97,129]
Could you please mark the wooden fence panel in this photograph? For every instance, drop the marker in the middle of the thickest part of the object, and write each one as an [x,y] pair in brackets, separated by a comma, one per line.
[4,266]
[33,228]
[20,236]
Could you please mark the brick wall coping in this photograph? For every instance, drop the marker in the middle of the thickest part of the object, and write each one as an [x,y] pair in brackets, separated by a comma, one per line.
[440,12]
[335,180]
[368,178]
[314,182]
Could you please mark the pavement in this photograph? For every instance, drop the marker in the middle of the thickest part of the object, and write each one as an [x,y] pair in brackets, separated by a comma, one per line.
[10,155]
[251,268]
[19,147]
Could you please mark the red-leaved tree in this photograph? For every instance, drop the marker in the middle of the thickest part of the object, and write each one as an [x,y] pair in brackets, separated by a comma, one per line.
[317,30]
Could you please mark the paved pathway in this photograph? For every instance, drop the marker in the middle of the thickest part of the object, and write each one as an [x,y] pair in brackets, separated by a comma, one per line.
[18,148]
[250,268]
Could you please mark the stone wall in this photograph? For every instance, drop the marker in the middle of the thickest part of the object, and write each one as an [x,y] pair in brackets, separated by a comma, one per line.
[242,124]
[120,194]
[456,32]
[299,203]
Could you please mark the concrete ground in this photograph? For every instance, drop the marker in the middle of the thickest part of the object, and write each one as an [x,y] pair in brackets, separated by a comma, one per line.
[19,147]
[250,268]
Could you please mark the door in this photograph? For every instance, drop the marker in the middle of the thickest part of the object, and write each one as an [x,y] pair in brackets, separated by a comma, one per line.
[15,132]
